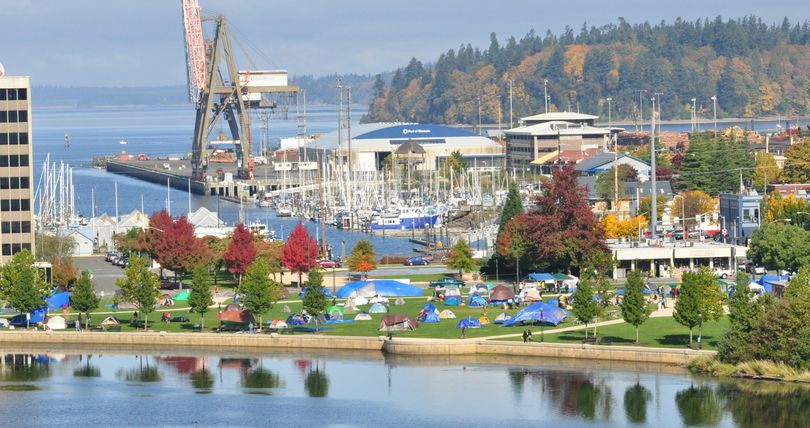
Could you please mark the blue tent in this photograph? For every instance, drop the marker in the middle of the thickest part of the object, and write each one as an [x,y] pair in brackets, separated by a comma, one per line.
[477,301]
[766,281]
[430,307]
[37,315]
[379,287]
[377,308]
[538,312]
[452,301]
[469,323]
[541,277]
[620,291]
[431,316]
[554,302]
[58,301]
[327,292]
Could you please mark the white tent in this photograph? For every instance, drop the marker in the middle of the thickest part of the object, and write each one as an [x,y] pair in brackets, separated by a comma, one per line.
[400,301]
[360,301]
[379,299]
[530,295]
[757,288]
[56,323]
[362,316]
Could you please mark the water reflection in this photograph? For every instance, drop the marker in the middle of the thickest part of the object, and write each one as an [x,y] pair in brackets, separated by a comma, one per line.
[577,394]
[144,372]
[262,379]
[316,383]
[758,404]
[86,369]
[24,367]
[698,406]
[202,381]
[635,403]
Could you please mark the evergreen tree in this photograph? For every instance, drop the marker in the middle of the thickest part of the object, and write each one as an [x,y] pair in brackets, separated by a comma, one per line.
[201,297]
[315,300]
[511,207]
[260,292]
[634,308]
[584,307]
[83,297]
[22,285]
[140,287]
[460,257]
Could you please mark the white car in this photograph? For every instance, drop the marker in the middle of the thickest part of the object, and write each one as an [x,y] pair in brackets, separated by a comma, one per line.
[723,273]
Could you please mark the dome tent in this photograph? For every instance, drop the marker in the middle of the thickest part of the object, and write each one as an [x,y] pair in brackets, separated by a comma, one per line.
[447,314]
[378,308]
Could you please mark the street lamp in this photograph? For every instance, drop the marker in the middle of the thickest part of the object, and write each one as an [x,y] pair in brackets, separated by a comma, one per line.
[608,99]
[714,109]
[694,114]
[545,92]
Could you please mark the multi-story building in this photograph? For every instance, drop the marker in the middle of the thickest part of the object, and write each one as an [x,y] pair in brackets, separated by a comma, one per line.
[741,214]
[16,187]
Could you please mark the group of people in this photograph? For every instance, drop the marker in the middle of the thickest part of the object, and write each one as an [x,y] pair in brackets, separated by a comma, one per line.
[527,336]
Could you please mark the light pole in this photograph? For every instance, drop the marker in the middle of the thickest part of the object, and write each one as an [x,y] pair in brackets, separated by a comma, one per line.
[714,109]
[694,114]
[545,93]
[608,99]
[653,190]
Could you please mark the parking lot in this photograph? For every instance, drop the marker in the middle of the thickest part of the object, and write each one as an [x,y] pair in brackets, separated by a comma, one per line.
[104,273]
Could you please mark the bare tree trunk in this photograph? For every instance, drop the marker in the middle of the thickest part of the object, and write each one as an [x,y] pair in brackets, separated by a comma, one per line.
[87,320]
[636,334]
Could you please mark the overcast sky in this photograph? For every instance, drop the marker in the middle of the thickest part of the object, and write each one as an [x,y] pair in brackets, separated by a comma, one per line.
[140,43]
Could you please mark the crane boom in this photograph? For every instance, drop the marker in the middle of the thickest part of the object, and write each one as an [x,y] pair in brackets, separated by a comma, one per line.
[195,48]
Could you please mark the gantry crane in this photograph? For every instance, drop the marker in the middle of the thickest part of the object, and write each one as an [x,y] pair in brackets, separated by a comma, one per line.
[218,88]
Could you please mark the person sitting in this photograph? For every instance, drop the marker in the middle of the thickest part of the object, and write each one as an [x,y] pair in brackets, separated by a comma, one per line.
[166,317]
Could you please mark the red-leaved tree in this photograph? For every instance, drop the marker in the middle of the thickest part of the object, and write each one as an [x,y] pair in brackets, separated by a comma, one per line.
[159,222]
[241,251]
[563,230]
[179,250]
[300,253]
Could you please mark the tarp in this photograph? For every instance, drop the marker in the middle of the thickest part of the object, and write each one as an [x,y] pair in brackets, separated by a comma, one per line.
[37,316]
[244,316]
[469,323]
[327,292]
[538,312]
[296,319]
[766,280]
[398,323]
[430,307]
[56,323]
[541,277]
[58,301]
[452,301]
[362,316]
[379,287]
[181,296]
[502,318]
[477,301]
[561,277]
[500,294]
[446,314]
[377,308]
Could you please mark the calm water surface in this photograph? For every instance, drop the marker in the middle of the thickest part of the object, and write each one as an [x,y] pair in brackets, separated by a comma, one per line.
[285,389]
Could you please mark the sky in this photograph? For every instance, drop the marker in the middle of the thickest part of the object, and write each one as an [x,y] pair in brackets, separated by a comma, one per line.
[140,43]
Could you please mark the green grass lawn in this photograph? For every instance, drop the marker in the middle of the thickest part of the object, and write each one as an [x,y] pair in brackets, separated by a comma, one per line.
[662,332]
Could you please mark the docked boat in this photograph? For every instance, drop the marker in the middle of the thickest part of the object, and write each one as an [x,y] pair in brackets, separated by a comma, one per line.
[407,218]
[260,229]
[265,203]
[284,210]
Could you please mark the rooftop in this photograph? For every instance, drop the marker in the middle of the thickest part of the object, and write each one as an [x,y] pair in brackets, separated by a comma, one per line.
[559,115]
[558,127]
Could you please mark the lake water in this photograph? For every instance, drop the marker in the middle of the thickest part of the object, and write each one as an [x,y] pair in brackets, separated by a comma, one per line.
[89,388]
[163,131]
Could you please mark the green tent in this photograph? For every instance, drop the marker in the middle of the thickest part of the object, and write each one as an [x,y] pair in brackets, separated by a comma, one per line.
[490,286]
[181,296]
[333,309]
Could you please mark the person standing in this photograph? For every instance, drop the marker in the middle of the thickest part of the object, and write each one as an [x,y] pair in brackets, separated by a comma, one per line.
[529,335]
[525,336]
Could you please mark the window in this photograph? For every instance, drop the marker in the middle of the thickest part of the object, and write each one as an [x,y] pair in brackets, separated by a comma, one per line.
[13,160]
[26,246]
[16,248]
[6,249]
[3,161]
[4,183]
[16,227]
[25,226]
[6,227]
[13,138]
[24,182]
[22,94]
[14,182]
[23,160]
[15,205]
[5,205]
[4,138]
[2,94]
[3,116]
[12,116]
[25,204]
[12,95]
[22,116]
[24,138]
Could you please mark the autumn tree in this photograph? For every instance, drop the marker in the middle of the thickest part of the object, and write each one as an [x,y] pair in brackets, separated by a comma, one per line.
[628,228]
[766,172]
[140,287]
[300,253]
[645,209]
[362,259]
[159,222]
[797,164]
[58,250]
[605,182]
[273,252]
[563,229]
[241,251]
[795,210]
[201,298]
[461,257]
[83,297]
[22,285]
[217,248]
[179,250]
[691,204]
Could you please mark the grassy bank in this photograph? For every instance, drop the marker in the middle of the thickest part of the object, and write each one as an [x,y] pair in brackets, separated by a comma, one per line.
[751,369]
[663,332]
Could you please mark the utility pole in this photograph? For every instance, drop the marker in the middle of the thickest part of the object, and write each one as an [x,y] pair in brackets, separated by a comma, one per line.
[653,190]
[615,163]
[479,115]
[545,93]
[694,114]
[714,108]
[511,83]
[349,140]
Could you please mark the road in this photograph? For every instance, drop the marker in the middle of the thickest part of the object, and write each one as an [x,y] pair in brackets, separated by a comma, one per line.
[104,273]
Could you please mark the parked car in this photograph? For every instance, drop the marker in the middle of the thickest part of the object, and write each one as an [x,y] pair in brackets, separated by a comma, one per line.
[416,261]
[329,264]
[109,256]
[447,282]
[723,273]
[699,234]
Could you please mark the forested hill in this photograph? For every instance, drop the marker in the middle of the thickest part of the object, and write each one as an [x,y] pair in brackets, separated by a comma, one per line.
[754,68]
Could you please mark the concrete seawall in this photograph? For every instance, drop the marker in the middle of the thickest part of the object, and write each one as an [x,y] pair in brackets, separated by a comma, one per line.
[400,347]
